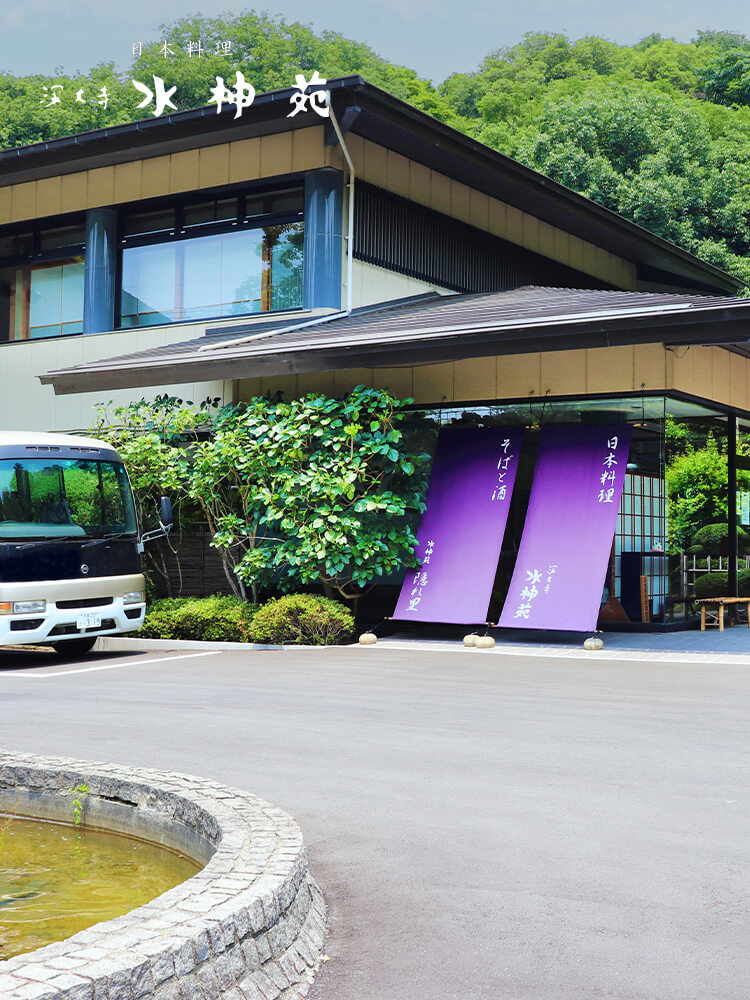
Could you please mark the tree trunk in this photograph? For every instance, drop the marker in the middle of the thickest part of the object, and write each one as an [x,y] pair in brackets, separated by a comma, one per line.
[238,588]
[158,564]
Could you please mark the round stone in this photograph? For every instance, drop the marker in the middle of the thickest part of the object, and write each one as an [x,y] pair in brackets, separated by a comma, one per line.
[593,642]
[470,640]
[484,642]
[368,639]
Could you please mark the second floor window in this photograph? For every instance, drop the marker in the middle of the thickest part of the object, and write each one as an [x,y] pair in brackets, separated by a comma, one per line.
[216,258]
[41,283]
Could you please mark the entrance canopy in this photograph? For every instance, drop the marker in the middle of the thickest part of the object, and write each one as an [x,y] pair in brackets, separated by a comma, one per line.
[422,329]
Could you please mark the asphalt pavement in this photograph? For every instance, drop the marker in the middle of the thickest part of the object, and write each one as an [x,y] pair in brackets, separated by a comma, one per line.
[482,825]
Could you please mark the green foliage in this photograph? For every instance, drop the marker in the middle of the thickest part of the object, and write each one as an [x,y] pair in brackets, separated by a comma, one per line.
[326,489]
[294,618]
[658,131]
[154,438]
[696,493]
[302,619]
[696,482]
[629,127]
[209,619]
[717,584]
[726,79]
[313,489]
[657,158]
[712,539]
[25,117]
[151,437]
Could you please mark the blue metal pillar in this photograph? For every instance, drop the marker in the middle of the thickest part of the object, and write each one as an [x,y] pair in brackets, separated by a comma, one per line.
[324,238]
[99,270]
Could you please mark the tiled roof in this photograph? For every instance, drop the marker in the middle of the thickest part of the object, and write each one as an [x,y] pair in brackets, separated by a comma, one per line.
[423,329]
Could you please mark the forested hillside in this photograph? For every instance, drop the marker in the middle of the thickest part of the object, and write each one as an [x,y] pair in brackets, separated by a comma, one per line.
[658,131]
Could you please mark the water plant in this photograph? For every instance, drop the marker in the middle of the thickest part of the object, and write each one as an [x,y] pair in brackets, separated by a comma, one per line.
[77,792]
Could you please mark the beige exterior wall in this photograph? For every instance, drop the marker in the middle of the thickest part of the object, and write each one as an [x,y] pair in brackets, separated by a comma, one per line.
[710,373]
[713,374]
[191,170]
[389,170]
[372,284]
[26,404]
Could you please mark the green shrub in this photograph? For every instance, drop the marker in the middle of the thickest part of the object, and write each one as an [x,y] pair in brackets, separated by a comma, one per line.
[209,619]
[717,584]
[712,539]
[302,619]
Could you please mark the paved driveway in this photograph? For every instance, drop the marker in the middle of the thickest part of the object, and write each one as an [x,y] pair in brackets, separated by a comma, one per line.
[483,826]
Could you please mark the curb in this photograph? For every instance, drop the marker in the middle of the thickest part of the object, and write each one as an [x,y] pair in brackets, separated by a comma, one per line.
[120,644]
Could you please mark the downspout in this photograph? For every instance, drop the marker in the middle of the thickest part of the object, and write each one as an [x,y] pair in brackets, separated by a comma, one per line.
[349,258]
[350,208]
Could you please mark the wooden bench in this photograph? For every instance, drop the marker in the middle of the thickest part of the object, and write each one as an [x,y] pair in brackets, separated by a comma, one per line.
[718,615]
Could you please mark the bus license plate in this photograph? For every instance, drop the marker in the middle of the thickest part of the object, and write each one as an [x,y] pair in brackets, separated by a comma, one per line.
[88,621]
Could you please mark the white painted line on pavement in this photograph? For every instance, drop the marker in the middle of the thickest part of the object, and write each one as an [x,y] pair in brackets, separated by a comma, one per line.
[105,666]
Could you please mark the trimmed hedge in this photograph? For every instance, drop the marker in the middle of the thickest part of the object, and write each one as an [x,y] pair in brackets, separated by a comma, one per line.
[209,619]
[717,584]
[713,538]
[302,619]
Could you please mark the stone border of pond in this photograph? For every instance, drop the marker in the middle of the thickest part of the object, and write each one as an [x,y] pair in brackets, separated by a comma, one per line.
[249,926]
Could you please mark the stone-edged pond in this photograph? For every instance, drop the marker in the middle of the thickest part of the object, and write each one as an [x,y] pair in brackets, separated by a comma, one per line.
[57,879]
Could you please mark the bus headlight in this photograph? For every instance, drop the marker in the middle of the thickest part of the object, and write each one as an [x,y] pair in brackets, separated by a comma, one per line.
[134,597]
[24,608]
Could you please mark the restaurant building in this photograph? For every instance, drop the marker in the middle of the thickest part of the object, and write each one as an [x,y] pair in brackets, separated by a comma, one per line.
[202,255]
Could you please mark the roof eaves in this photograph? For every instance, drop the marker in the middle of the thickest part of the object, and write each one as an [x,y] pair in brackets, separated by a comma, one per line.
[674,325]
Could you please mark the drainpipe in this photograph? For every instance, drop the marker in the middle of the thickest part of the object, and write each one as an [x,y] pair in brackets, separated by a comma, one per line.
[350,207]
[349,258]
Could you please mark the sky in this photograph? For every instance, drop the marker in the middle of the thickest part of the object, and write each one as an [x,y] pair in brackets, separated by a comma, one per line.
[434,37]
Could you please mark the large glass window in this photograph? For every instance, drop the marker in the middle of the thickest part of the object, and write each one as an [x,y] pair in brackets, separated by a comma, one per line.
[222,256]
[50,499]
[670,546]
[56,299]
[41,301]
[635,586]
[41,282]
[226,274]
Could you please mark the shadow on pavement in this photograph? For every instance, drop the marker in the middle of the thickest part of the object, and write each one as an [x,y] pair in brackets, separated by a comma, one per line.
[13,658]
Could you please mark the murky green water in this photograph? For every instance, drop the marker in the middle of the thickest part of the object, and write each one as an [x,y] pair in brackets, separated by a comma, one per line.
[56,880]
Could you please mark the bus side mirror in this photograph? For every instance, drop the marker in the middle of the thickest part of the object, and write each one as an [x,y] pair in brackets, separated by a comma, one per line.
[166,517]
[166,520]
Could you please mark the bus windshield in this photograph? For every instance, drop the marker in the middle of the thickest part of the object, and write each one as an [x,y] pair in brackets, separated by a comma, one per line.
[64,498]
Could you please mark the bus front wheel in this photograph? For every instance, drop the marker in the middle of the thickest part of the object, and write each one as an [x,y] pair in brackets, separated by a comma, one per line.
[74,647]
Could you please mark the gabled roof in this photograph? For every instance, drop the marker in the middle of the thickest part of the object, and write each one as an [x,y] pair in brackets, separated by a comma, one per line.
[373,114]
[424,329]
